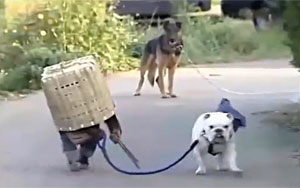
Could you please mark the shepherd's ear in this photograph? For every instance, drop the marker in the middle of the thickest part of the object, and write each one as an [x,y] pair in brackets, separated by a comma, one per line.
[179,24]
[206,116]
[166,25]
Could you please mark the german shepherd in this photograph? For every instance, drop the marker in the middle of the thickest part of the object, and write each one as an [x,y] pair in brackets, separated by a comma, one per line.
[164,53]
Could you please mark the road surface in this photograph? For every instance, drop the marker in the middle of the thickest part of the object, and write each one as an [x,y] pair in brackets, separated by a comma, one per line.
[158,131]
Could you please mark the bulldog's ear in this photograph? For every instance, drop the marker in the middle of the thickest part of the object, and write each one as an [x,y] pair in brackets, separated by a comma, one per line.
[230,116]
[206,116]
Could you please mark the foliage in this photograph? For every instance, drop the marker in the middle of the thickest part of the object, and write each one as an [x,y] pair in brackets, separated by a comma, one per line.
[61,30]
[2,15]
[223,40]
[34,29]
[291,17]
[288,11]
[17,79]
[27,73]
[17,8]
[90,27]
[11,56]
[24,52]
[211,39]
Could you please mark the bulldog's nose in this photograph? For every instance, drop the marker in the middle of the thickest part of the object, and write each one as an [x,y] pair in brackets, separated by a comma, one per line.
[219,131]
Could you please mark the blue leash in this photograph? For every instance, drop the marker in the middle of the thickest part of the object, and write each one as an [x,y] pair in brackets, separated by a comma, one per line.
[104,151]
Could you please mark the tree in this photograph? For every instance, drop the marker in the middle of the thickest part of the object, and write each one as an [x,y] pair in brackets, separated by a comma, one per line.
[2,15]
[291,16]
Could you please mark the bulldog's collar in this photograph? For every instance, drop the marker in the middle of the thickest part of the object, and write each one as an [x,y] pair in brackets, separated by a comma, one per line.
[210,148]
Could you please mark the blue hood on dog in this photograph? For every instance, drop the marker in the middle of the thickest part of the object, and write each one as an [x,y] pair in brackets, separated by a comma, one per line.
[239,119]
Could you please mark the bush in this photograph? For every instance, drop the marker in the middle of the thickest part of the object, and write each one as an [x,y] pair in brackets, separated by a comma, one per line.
[24,52]
[291,17]
[11,56]
[65,29]
[212,40]
[27,73]
[16,79]
[2,15]
[209,41]
[90,27]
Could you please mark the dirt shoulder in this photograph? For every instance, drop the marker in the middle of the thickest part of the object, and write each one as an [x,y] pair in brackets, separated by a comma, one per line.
[286,116]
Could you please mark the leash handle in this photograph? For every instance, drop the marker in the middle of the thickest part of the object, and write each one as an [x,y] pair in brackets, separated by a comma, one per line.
[104,152]
[129,154]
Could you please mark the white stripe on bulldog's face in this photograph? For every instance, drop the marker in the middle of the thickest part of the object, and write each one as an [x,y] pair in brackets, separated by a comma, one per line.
[218,125]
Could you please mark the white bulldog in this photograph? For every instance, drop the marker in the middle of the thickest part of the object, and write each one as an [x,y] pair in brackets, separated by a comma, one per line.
[215,133]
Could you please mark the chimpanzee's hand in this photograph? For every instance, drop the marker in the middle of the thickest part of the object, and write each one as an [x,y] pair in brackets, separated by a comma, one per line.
[115,136]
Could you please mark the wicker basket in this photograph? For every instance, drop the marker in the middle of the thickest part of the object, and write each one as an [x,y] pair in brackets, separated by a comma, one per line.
[77,94]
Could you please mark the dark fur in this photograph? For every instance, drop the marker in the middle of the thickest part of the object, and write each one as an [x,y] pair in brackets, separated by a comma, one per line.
[162,53]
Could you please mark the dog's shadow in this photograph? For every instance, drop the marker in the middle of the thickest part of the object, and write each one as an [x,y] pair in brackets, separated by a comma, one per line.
[210,174]
[227,174]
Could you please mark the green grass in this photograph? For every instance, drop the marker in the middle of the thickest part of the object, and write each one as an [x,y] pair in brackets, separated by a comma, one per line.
[271,45]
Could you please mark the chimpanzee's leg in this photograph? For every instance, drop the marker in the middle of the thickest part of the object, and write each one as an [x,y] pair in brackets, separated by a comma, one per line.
[86,151]
[71,152]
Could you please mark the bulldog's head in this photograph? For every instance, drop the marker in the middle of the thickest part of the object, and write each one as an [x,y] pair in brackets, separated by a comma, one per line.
[218,127]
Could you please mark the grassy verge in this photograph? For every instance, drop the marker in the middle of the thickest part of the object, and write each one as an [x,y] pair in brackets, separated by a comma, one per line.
[286,116]
[228,41]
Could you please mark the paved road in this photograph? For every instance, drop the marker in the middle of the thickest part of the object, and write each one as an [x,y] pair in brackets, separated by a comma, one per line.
[158,131]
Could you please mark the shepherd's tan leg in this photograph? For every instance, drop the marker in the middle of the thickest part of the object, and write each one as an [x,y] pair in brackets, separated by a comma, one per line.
[144,66]
[161,80]
[171,73]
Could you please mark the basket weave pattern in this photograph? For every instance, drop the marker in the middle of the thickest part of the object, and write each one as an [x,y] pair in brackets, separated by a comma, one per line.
[77,94]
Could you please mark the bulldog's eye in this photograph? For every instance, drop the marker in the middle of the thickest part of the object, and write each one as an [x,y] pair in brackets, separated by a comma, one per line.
[211,126]
[226,126]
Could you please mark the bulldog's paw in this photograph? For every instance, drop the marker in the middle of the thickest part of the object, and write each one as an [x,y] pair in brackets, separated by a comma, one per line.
[222,168]
[236,170]
[137,94]
[200,171]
